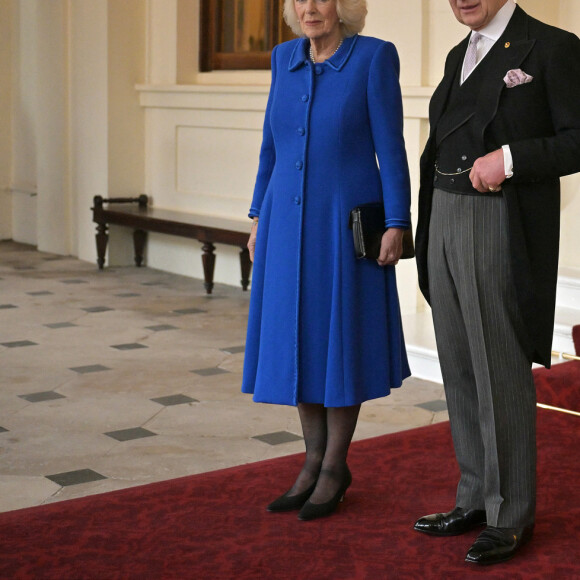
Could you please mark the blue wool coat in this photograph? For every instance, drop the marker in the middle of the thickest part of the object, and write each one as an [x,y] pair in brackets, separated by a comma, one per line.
[323,326]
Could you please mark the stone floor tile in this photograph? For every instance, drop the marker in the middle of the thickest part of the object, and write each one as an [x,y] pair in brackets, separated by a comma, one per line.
[172,400]
[37,452]
[403,416]
[130,434]
[19,343]
[278,438]
[18,492]
[189,311]
[160,327]
[90,369]
[434,406]
[129,346]
[209,372]
[234,349]
[42,396]
[97,309]
[74,281]
[77,477]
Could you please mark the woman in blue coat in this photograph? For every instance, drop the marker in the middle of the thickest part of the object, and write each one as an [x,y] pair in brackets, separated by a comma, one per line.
[324,329]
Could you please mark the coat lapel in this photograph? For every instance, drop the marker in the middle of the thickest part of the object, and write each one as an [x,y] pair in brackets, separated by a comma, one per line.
[508,53]
[441,94]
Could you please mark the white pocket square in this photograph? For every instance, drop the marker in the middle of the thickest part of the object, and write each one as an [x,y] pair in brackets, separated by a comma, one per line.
[516,77]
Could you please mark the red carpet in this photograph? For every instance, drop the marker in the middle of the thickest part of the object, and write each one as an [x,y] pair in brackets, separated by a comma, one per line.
[214,525]
[559,386]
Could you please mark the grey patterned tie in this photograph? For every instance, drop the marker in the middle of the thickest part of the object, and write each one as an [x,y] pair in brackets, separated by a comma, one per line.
[471,55]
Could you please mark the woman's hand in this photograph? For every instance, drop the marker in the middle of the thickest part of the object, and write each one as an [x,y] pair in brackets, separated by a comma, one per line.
[252,240]
[391,247]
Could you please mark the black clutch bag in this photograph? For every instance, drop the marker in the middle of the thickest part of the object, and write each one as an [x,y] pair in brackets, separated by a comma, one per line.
[367,223]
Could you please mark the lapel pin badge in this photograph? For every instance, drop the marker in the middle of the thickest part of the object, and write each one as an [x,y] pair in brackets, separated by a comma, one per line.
[507,44]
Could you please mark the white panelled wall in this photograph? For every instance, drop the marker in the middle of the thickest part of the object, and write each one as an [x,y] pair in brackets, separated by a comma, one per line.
[103,97]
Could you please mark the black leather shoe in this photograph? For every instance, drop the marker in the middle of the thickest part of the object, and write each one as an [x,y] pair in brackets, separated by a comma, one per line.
[496,545]
[453,523]
[312,511]
[287,503]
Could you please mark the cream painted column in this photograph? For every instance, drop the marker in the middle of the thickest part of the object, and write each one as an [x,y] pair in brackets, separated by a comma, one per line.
[39,187]
[126,30]
[107,61]
[24,122]
[88,117]
[126,117]
[53,224]
[6,79]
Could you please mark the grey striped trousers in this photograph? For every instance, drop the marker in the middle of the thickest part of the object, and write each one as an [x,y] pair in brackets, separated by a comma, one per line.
[486,373]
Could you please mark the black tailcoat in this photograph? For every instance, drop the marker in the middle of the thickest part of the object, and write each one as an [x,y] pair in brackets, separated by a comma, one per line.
[540,121]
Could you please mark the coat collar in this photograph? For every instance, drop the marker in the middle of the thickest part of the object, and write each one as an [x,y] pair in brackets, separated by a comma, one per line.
[299,56]
[509,52]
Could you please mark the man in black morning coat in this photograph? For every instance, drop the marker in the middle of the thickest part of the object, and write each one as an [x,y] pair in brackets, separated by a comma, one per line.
[504,127]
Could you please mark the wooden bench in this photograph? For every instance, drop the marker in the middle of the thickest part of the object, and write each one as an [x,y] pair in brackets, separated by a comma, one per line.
[134,212]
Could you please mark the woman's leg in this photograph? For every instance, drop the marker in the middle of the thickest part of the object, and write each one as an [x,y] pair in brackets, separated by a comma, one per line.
[314,429]
[340,426]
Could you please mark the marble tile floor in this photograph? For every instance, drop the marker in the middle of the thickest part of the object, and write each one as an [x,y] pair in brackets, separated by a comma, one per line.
[126,376]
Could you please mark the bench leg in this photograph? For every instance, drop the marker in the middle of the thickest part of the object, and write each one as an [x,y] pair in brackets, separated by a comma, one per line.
[139,239]
[208,260]
[102,239]
[246,267]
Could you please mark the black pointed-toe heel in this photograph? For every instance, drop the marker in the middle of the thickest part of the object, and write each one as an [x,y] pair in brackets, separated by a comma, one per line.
[287,503]
[311,511]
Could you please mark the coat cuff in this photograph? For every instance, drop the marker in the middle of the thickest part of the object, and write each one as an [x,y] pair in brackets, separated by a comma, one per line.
[398,223]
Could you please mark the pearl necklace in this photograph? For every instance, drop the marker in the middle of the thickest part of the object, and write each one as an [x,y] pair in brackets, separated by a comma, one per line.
[311,51]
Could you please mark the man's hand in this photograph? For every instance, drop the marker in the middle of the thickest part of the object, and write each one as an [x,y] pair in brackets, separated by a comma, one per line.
[391,247]
[488,173]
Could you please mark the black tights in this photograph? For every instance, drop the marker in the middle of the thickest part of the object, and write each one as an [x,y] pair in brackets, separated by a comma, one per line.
[327,434]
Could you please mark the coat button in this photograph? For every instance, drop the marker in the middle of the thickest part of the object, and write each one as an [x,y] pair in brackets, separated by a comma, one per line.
[297,200]
[452,180]
[305,98]
[464,158]
[301,131]
[318,69]
[459,170]
[299,165]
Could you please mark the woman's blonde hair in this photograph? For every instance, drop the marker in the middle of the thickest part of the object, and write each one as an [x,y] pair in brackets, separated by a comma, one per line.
[352,14]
